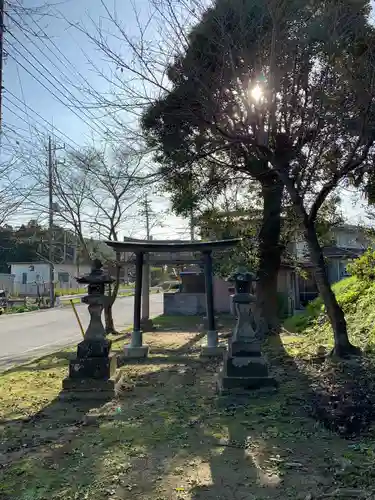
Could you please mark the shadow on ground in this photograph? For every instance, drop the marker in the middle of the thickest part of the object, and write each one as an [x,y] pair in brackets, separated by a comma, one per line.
[60,358]
[169,436]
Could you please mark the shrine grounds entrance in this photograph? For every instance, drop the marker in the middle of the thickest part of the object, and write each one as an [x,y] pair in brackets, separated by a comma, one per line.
[136,348]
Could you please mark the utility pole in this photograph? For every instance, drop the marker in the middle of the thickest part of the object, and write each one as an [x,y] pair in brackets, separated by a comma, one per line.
[2,29]
[191,224]
[147,216]
[51,151]
[50,225]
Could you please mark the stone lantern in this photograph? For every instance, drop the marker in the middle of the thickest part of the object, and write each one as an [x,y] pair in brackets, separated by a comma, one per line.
[93,368]
[242,281]
[244,364]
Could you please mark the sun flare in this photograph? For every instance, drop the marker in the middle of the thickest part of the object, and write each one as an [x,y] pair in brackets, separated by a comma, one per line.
[256,93]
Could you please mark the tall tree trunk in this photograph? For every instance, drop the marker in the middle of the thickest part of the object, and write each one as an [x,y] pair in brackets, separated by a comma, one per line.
[342,345]
[108,312]
[108,318]
[270,252]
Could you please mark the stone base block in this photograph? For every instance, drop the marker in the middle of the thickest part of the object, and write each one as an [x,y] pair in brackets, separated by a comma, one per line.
[136,352]
[90,389]
[244,373]
[246,366]
[213,352]
[242,385]
[246,349]
[98,368]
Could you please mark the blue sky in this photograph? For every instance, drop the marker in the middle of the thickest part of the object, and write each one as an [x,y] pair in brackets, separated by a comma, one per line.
[69,50]
[61,54]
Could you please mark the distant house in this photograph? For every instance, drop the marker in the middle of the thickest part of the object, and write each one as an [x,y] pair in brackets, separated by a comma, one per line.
[348,242]
[29,278]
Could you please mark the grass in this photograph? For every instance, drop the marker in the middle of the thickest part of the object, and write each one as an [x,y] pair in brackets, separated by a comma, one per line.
[20,309]
[169,436]
[313,329]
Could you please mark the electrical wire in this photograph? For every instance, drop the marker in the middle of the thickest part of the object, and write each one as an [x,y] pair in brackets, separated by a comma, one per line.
[102,102]
[77,72]
[51,127]
[90,116]
[23,97]
[86,107]
[71,107]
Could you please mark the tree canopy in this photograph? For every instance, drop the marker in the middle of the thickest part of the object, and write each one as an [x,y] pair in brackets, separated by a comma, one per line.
[281,92]
[307,62]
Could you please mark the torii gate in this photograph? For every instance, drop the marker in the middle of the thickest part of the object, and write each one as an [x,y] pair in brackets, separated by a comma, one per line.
[136,349]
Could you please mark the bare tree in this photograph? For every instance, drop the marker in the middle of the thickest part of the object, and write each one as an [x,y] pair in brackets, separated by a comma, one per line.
[100,195]
[15,188]
[96,195]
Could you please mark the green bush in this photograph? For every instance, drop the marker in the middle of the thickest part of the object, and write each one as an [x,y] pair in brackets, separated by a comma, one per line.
[350,293]
[315,307]
[298,323]
[22,309]
[348,298]
[364,267]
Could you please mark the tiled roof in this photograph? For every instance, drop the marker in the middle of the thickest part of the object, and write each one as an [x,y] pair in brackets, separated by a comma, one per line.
[348,253]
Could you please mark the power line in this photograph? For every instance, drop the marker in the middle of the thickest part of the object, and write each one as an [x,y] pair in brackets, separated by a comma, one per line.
[95,93]
[101,101]
[23,97]
[48,90]
[18,134]
[91,116]
[21,137]
[50,125]
[67,78]
[59,51]
[1,55]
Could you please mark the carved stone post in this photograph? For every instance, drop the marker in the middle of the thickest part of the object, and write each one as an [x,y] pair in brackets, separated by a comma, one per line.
[244,366]
[91,372]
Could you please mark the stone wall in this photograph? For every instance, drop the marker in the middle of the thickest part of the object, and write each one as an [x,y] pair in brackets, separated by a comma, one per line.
[184,304]
[191,304]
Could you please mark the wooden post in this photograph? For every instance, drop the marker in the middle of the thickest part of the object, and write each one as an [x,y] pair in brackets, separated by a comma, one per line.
[137,335]
[136,349]
[212,333]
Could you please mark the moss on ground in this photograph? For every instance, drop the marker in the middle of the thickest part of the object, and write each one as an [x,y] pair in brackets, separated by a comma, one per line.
[170,437]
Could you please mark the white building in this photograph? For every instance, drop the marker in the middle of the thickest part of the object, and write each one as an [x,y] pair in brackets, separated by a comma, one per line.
[348,242]
[29,276]
[353,239]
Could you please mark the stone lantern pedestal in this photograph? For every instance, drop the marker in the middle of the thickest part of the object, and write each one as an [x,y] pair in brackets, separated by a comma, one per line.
[91,373]
[245,367]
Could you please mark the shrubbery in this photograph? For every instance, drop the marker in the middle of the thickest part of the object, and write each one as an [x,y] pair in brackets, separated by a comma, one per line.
[22,309]
[364,267]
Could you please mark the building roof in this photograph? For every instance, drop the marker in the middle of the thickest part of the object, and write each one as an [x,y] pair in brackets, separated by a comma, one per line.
[33,263]
[30,263]
[349,253]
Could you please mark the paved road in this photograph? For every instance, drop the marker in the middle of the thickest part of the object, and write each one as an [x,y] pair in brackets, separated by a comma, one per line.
[25,336]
